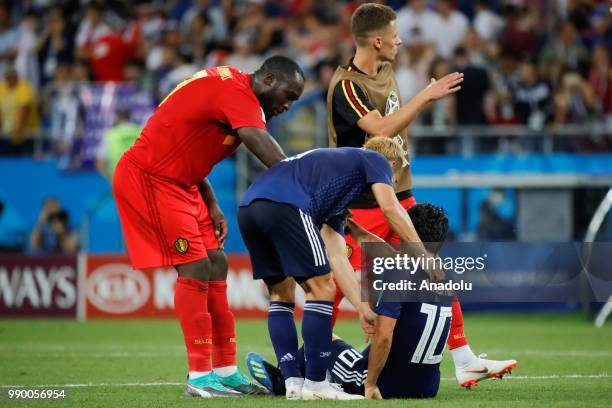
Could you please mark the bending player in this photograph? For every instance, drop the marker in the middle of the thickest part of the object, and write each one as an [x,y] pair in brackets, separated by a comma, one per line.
[169,213]
[363,100]
[404,357]
[292,222]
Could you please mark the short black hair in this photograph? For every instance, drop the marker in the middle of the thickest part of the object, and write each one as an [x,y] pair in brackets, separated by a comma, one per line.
[282,67]
[430,222]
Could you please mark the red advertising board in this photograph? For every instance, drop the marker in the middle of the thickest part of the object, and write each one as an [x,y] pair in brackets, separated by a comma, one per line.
[38,286]
[113,289]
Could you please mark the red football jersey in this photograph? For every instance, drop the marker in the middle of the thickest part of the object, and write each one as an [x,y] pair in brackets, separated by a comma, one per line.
[196,125]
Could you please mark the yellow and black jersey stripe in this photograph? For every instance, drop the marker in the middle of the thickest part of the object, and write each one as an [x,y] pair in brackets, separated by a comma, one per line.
[353,98]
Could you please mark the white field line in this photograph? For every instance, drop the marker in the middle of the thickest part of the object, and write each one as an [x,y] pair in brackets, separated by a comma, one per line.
[162,383]
[118,352]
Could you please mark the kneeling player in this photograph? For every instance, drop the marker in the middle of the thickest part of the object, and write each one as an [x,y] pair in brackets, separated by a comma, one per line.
[292,222]
[404,358]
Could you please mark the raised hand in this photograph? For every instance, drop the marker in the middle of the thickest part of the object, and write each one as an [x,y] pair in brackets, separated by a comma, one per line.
[444,86]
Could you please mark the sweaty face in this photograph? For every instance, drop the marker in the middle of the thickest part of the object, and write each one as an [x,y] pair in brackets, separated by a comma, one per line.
[390,42]
[280,94]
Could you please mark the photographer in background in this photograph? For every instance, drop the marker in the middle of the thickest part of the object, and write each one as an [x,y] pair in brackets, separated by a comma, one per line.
[52,234]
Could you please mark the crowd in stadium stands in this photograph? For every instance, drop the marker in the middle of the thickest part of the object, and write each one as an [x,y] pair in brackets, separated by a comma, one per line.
[542,63]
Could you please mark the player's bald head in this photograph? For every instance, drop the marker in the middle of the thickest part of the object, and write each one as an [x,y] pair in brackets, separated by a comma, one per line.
[277,84]
[284,69]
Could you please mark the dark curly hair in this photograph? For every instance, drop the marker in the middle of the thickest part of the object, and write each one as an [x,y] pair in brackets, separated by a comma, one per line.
[431,223]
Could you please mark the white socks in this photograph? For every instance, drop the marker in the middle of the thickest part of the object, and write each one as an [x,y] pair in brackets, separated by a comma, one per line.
[225,371]
[462,356]
[197,374]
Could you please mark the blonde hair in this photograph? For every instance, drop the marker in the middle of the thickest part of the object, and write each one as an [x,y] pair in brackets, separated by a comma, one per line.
[387,146]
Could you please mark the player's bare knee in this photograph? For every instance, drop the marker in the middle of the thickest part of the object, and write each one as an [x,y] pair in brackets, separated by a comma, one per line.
[283,291]
[200,269]
[219,265]
[319,288]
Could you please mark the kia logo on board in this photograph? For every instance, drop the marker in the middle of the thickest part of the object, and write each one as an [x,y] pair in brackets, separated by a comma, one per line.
[117,288]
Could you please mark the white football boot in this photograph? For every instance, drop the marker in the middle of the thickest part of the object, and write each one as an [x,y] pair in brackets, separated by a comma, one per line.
[481,369]
[324,390]
[293,388]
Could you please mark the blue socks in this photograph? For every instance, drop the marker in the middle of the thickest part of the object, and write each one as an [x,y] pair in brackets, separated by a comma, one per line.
[284,337]
[317,335]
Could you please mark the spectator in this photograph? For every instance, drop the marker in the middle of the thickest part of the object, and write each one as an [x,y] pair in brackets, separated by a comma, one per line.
[55,44]
[52,234]
[450,29]
[91,28]
[601,24]
[413,69]
[487,24]
[575,101]
[243,57]
[476,49]
[177,68]
[504,79]
[26,61]
[215,15]
[416,24]
[443,112]
[198,39]
[520,37]
[61,107]
[600,80]
[532,97]
[8,40]
[470,99]
[18,115]
[115,142]
[565,50]
[109,53]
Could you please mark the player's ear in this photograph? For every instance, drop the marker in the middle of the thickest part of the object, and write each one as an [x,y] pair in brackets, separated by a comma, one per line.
[378,42]
[269,79]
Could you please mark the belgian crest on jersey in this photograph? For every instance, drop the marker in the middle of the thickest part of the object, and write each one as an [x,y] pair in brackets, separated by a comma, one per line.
[181,245]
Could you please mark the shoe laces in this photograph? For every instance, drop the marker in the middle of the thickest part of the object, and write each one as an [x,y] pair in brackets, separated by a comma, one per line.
[216,383]
[242,378]
[336,386]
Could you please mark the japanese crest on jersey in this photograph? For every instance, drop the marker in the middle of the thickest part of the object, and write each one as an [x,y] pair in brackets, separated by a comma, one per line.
[181,245]
[393,105]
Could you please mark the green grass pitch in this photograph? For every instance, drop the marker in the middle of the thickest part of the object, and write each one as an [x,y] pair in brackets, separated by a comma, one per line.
[563,361]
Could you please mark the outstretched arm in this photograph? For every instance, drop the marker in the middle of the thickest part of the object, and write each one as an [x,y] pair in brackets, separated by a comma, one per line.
[379,353]
[262,145]
[400,222]
[390,125]
[345,276]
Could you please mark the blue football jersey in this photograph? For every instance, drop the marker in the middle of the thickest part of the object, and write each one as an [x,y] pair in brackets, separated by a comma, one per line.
[322,182]
[412,369]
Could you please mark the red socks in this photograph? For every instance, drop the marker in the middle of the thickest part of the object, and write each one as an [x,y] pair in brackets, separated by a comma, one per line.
[191,307]
[456,337]
[223,328]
